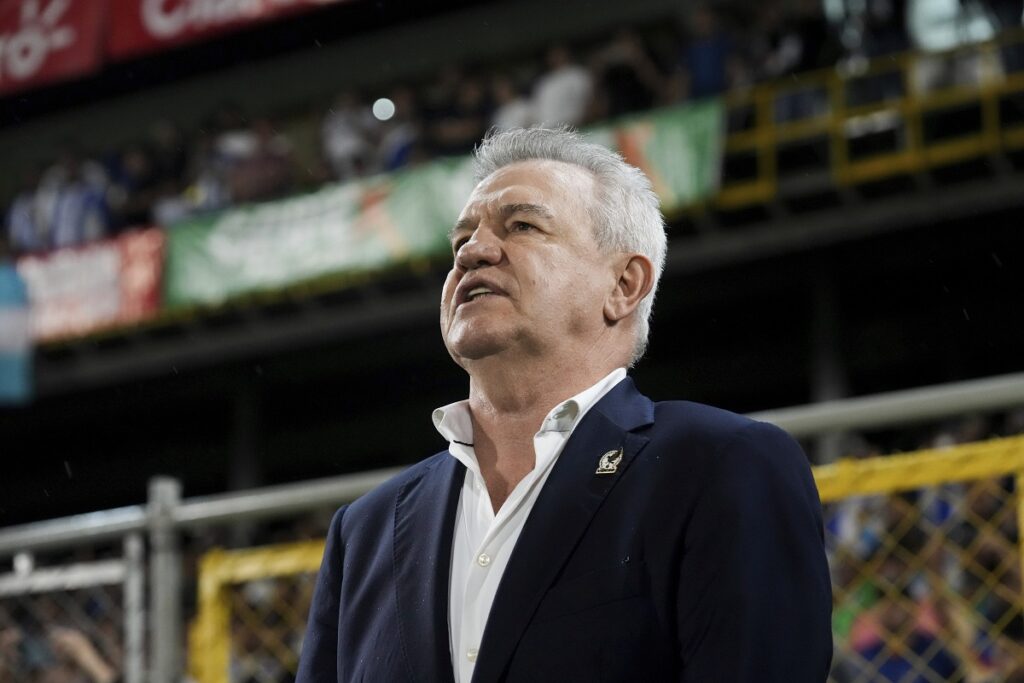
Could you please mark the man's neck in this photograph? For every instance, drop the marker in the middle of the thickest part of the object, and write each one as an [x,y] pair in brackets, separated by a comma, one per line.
[510,397]
[508,403]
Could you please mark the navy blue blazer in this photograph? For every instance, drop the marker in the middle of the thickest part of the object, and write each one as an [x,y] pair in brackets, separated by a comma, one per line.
[699,559]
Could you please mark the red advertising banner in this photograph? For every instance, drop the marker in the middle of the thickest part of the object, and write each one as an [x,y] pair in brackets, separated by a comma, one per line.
[42,41]
[140,26]
[79,290]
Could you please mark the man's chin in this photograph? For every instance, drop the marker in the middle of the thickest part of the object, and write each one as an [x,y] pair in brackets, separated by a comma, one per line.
[477,346]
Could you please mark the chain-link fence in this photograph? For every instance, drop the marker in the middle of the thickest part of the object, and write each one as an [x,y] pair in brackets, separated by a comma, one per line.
[75,622]
[926,565]
[253,609]
[268,620]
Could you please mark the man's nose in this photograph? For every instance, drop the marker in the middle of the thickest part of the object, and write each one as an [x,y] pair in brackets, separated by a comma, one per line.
[481,249]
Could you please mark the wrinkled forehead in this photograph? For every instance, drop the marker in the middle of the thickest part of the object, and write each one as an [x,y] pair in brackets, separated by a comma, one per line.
[562,188]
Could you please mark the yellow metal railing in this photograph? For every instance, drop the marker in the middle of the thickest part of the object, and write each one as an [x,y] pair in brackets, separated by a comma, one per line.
[829,117]
[925,575]
[215,633]
[938,580]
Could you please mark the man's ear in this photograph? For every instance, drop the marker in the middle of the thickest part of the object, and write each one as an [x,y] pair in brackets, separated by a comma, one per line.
[636,278]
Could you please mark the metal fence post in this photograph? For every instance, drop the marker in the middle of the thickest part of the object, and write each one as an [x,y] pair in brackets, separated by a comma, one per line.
[134,610]
[166,652]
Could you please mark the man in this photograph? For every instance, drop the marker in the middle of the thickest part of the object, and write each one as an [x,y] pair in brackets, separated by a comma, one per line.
[573,530]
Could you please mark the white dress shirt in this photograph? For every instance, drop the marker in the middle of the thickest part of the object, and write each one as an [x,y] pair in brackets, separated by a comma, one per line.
[484,540]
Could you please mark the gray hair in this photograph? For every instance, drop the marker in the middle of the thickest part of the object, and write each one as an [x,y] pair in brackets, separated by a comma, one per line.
[626,217]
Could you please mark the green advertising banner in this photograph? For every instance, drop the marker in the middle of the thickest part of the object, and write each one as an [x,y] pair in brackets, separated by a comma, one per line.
[354,227]
[679,148]
[377,223]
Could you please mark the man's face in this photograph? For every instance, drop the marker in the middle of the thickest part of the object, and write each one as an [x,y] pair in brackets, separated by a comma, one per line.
[528,278]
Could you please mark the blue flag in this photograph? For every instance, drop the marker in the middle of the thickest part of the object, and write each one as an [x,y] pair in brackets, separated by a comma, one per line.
[15,339]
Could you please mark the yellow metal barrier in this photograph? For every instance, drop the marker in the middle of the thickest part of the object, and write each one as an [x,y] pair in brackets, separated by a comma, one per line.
[258,626]
[825,115]
[924,549]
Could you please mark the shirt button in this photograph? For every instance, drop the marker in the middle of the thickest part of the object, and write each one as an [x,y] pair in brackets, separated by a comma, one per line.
[483,559]
[471,654]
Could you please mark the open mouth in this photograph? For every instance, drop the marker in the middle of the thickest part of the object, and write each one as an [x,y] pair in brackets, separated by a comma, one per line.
[475,291]
[478,293]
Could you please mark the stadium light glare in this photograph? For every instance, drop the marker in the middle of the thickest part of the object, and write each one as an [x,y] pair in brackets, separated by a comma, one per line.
[383,109]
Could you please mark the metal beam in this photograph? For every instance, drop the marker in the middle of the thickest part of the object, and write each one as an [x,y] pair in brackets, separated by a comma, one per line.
[91,527]
[900,407]
[867,412]
[278,501]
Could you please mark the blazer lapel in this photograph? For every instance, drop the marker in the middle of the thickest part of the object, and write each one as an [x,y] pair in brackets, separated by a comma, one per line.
[424,525]
[564,508]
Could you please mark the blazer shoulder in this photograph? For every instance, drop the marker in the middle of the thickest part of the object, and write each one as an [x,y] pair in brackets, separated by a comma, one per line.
[381,499]
[717,438]
[699,422]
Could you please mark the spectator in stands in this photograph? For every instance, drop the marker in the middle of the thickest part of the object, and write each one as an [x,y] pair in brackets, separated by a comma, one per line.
[896,638]
[169,150]
[796,43]
[26,233]
[71,201]
[10,639]
[819,43]
[437,97]
[262,166]
[400,136]
[939,25]
[35,647]
[704,60]
[898,657]
[170,156]
[562,94]
[79,656]
[457,129]
[348,134]
[207,189]
[134,187]
[856,524]
[512,109]
[884,28]
[627,78]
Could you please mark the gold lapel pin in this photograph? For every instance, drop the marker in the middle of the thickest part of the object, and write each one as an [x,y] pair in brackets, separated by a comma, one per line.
[609,462]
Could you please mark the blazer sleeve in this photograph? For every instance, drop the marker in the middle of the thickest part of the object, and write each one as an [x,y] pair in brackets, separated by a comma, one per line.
[318,661]
[754,596]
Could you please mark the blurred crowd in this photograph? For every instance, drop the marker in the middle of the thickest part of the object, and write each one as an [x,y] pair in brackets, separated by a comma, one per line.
[73,635]
[235,157]
[927,583]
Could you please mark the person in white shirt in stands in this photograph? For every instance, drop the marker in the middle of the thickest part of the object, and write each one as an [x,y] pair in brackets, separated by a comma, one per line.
[512,109]
[562,95]
[71,201]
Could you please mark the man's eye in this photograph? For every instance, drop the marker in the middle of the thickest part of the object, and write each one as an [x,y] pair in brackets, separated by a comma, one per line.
[521,226]
[457,244]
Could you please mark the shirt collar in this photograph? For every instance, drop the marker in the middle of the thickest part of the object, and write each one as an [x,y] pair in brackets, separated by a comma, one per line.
[455,423]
